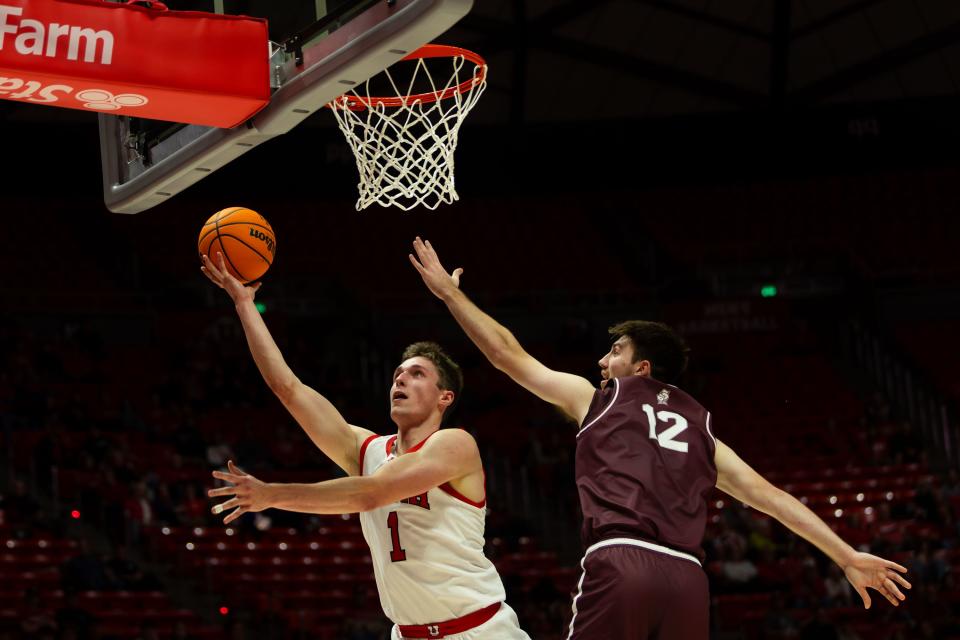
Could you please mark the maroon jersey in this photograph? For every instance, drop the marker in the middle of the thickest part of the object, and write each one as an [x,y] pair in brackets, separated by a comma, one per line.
[644,465]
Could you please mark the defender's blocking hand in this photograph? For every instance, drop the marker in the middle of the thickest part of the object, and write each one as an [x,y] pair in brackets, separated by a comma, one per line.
[427,264]
[866,570]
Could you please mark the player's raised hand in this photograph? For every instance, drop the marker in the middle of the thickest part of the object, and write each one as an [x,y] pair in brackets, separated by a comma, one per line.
[219,276]
[867,571]
[427,264]
[250,494]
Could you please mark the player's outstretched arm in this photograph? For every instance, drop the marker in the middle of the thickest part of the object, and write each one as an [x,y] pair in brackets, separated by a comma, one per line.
[447,456]
[321,421]
[571,393]
[736,477]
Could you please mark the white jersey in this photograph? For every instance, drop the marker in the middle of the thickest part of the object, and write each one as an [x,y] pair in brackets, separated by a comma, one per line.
[427,550]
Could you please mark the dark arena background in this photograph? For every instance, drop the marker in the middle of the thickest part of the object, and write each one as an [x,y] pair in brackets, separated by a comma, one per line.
[778,179]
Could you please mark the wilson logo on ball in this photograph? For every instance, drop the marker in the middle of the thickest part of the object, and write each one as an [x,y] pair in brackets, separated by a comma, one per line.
[228,233]
[260,235]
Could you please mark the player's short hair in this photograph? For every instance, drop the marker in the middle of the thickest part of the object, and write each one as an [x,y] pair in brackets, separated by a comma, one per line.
[654,341]
[450,377]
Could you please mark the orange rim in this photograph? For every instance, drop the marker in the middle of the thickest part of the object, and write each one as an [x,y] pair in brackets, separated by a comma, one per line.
[357,103]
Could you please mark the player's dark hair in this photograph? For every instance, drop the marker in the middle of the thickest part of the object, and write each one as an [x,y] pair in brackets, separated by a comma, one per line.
[658,343]
[450,377]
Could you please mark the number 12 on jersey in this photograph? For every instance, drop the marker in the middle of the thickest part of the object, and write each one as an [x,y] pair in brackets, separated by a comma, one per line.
[666,439]
[397,554]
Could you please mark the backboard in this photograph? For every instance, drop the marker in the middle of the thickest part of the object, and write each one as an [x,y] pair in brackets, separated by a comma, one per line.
[318,50]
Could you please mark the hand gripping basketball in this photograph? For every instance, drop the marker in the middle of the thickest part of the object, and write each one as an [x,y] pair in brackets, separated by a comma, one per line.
[221,277]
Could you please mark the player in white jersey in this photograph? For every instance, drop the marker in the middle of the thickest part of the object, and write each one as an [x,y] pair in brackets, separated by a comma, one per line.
[420,493]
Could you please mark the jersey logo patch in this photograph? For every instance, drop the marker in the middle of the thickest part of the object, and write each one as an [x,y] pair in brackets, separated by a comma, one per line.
[663,396]
[433,630]
[418,501]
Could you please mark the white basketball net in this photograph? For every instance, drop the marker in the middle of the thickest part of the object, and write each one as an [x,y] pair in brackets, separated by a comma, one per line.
[405,153]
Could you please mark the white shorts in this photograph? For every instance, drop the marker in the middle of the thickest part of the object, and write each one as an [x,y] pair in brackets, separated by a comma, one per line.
[502,626]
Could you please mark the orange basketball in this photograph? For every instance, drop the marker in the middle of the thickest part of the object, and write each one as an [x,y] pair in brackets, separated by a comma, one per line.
[245,239]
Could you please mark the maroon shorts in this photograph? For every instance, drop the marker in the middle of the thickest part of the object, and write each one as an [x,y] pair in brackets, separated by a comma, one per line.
[629,592]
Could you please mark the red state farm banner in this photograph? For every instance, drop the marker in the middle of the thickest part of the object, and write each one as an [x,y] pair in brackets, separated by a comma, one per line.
[132,60]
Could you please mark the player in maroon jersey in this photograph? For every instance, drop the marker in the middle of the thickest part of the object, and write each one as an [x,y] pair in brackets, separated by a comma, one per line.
[646,461]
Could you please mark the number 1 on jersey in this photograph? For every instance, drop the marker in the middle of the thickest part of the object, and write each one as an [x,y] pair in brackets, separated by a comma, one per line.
[397,554]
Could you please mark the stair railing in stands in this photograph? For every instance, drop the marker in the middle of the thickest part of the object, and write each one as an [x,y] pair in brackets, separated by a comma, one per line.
[915,398]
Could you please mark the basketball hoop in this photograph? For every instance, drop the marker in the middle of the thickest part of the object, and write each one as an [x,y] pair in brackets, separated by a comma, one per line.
[404,144]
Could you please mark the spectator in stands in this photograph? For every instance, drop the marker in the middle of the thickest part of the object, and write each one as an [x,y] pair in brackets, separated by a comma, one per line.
[759,541]
[96,445]
[84,571]
[777,623]
[120,460]
[74,622]
[928,507]
[148,631]
[192,511]
[836,588]
[738,571]
[219,451]
[928,631]
[125,574]
[288,450]
[271,623]
[186,437]
[45,455]
[878,409]
[360,630]
[731,543]
[845,632]
[165,511]
[541,615]
[138,511]
[888,530]
[237,629]
[903,445]
[929,565]
[180,631]
[951,485]
[36,621]
[807,592]
[819,628]
[856,532]
[18,506]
